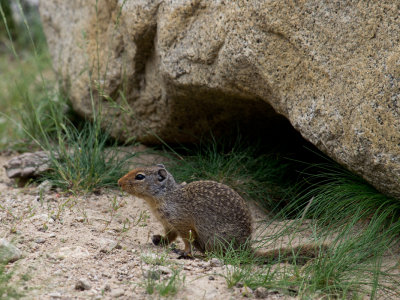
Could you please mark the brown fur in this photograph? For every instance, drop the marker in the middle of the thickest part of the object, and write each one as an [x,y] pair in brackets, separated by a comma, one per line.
[205,214]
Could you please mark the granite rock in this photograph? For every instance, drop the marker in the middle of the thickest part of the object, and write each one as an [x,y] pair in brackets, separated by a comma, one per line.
[331,68]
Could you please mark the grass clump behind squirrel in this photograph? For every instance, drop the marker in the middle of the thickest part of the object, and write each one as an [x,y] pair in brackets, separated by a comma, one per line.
[205,214]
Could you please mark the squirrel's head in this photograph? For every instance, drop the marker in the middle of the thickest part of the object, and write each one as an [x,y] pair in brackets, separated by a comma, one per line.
[148,182]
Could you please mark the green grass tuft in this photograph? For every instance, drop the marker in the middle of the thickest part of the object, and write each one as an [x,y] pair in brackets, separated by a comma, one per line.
[166,287]
[83,161]
[339,194]
[242,267]
[27,87]
[170,286]
[262,178]
[359,223]
[36,112]
[7,289]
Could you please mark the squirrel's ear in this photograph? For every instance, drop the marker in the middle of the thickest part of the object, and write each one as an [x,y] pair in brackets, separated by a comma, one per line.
[161,166]
[162,174]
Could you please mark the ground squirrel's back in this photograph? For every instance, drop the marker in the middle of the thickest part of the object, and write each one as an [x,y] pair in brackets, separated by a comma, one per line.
[218,212]
[201,212]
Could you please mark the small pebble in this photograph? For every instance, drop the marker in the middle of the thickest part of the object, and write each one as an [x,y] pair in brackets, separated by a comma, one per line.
[40,241]
[51,256]
[117,293]
[215,262]
[262,292]
[43,228]
[107,245]
[82,285]
[239,284]
[55,295]
[44,187]
[211,278]
[58,272]
[80,219]
[246,292]
[9,253]
[164,270]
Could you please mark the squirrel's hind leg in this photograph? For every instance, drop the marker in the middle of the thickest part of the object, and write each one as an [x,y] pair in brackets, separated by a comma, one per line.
[187,253]
[190,239]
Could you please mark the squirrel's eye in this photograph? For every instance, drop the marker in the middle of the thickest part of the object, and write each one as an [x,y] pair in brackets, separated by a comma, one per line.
[139,177]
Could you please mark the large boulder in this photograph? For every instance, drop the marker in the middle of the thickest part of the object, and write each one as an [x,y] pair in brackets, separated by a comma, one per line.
[332,68]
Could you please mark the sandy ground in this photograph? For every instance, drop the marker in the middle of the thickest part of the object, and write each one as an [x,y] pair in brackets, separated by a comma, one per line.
[98,246]
[100,243]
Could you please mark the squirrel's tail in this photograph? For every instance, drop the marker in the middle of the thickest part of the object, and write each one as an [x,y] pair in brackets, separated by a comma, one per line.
[301,253]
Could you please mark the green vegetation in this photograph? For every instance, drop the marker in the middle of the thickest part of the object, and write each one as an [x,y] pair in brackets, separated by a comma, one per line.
[243,268]
[35,113]
[82,160]
[6,13]
[27,90]
[171,285]
[156,260]
[360,224]
[153,281]
[255,175]
[337,207]
[342,273]
[339,195]
[19,79]
[15,34]
[7,290]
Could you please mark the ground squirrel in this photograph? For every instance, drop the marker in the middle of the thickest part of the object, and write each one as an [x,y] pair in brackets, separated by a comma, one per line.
[205,214]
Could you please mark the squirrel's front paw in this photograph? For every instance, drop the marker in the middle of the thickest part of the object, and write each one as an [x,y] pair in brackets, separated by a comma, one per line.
[157,239]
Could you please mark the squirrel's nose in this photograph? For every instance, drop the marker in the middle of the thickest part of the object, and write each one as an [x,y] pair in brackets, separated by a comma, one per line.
[119,183]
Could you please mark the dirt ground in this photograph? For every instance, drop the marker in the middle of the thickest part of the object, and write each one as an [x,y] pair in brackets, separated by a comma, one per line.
[97,247]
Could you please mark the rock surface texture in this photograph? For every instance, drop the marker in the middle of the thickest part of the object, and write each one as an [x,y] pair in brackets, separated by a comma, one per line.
[28,165]
[331,68]
[8,252]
